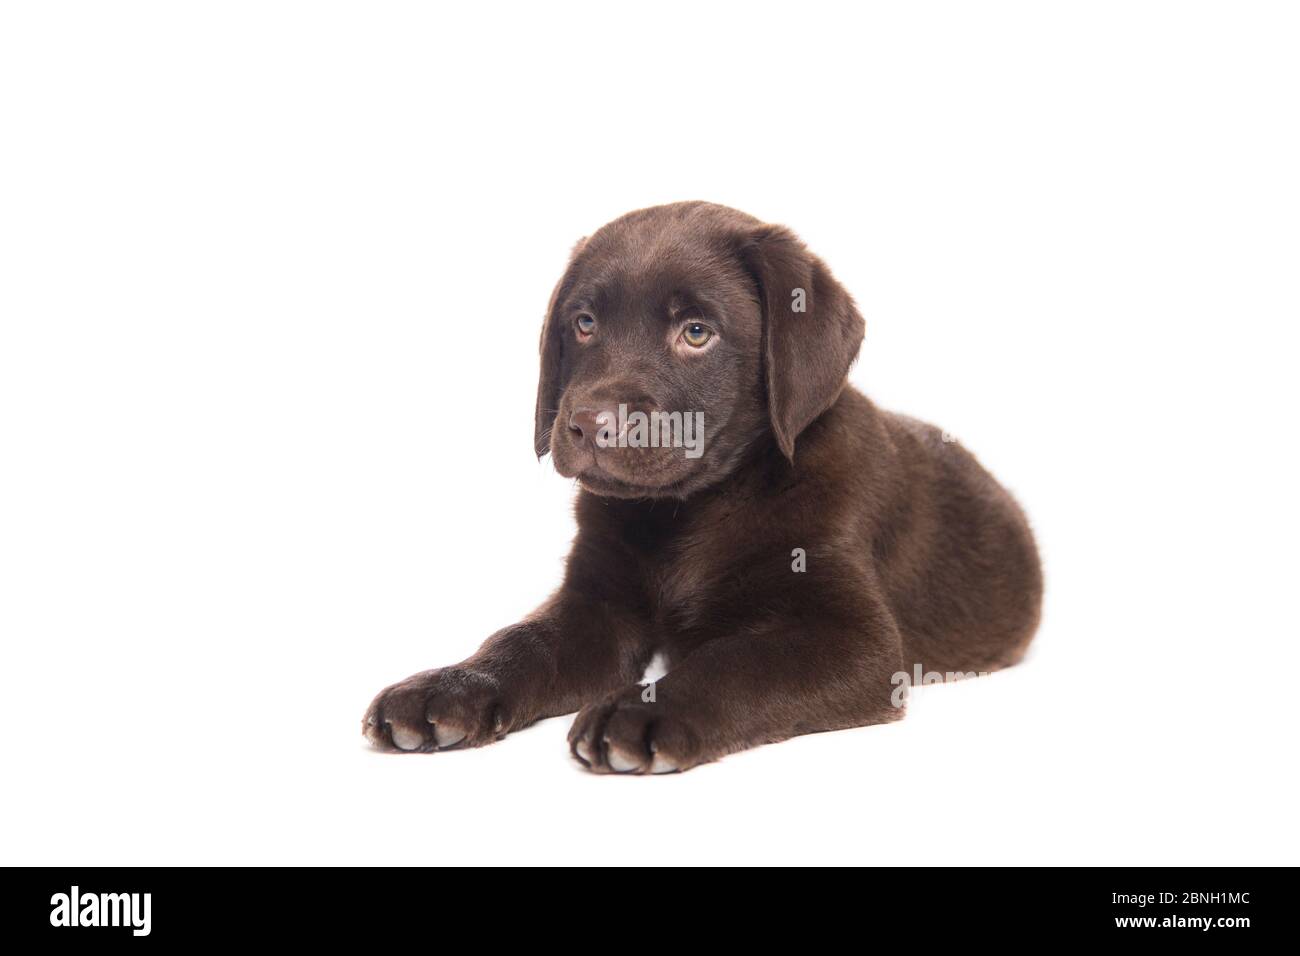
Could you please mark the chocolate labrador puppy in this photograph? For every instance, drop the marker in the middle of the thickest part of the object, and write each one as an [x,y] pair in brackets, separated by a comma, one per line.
[793,552]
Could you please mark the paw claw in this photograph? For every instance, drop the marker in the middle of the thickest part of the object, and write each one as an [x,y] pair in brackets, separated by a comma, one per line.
[447,735]
[662,764]
[406,739]
[619,761]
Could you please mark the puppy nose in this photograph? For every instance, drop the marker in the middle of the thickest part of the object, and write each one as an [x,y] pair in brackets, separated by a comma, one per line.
[584,422]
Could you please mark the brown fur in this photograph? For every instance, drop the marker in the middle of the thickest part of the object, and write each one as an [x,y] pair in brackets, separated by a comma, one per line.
[914,553]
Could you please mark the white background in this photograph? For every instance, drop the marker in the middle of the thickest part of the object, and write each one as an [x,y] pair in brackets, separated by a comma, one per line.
[271,278]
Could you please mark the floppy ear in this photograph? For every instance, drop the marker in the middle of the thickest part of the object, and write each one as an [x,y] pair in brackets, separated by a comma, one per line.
[549,385]
[811,331]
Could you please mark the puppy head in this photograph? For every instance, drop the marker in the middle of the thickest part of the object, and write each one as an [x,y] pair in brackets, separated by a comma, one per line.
[679,338]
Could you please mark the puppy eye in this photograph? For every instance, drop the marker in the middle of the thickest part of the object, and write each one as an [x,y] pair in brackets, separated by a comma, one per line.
[585,325]
[696,335]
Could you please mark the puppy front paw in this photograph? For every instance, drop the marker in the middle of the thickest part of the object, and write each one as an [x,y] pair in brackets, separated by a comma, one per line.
[628,734]
[437,710]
